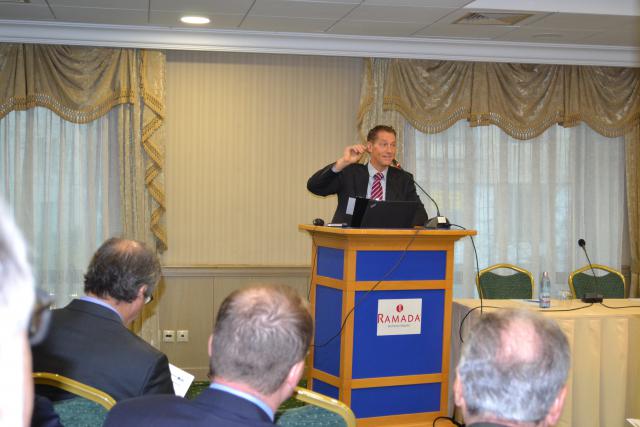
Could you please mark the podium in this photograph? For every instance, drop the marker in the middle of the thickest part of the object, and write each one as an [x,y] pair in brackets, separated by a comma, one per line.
[381,301]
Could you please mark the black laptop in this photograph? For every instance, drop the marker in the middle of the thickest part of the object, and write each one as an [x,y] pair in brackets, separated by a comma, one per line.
[369,213]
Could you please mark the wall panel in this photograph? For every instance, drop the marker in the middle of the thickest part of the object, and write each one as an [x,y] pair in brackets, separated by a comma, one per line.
[244,132]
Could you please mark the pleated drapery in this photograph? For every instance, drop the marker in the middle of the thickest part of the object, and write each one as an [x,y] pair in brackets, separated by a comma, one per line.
[522,99]
[81,84]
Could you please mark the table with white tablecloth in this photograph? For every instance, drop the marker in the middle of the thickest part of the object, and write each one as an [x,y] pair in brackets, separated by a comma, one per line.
[604,379]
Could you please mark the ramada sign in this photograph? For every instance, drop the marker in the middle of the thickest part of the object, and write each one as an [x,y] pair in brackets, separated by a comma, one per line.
[399,316]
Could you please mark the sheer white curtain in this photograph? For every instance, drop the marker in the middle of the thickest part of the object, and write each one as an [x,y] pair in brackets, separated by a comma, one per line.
[530,201]
[61,181]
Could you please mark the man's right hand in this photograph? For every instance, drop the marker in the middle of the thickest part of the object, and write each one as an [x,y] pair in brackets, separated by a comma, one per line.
[352,154]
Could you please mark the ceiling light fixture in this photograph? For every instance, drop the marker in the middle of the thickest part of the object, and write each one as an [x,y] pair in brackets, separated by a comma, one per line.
[197,20]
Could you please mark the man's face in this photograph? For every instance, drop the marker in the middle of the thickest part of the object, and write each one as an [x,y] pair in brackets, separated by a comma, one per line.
[382,150]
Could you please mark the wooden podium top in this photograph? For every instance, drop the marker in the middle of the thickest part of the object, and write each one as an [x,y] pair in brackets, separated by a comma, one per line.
[419,231]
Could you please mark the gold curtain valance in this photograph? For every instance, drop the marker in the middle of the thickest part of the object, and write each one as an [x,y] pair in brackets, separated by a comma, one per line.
[81,84]
[522,99]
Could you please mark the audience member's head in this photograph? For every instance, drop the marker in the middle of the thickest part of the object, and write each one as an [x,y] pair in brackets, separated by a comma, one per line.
[16,302]
[260,339]
[124,273]
[513,370]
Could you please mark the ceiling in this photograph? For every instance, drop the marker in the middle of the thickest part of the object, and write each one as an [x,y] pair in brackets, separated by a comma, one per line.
[614,24]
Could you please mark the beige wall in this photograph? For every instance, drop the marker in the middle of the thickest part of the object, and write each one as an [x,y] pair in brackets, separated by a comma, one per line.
[244,132]
[190,298]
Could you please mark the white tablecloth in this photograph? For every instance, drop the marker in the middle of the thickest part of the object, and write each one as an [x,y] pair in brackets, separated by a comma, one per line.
[605,357]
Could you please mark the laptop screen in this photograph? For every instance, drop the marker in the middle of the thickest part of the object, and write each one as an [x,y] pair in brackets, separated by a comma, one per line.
[369,213]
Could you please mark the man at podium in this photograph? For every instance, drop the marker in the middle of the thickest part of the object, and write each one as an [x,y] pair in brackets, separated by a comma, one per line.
[375,180]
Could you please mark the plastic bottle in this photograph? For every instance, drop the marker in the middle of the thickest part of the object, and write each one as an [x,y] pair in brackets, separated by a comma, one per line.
[545,291]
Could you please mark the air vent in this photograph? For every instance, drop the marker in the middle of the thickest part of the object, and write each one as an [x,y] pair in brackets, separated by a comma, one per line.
[481,18]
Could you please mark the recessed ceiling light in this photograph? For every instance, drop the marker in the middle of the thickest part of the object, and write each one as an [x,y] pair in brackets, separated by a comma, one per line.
[198,20]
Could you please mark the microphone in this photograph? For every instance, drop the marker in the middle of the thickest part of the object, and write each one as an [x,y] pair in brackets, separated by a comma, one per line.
[437,222]
[591,297]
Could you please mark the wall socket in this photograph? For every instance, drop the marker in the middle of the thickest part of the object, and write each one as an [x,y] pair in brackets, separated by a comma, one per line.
[183,335]
[168,336]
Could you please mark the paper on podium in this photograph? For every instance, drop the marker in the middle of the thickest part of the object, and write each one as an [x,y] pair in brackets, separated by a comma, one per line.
[634,422]
[181,380]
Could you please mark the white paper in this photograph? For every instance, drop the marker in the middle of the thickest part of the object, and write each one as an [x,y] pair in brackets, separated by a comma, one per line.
[634,422]
[181,380]
[399,316]
[351,204]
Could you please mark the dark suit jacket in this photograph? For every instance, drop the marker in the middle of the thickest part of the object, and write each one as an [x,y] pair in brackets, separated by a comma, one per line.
[212,408]
[89,343]
[353,180]
[44,415]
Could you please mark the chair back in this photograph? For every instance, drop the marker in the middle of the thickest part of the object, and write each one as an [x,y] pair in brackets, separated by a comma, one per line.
[518,284]
[88,408]
[609,285]
[321,410]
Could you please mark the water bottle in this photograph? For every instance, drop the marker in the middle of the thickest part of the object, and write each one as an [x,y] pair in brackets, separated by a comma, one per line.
[545,291]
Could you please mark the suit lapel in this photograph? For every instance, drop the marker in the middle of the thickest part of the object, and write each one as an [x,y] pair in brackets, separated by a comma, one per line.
[393,183]
[362,181]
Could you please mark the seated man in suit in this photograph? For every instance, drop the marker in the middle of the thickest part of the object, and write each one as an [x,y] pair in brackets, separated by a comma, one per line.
[88,339]
[512,371]
[257,352]
[375,180]
[16,302]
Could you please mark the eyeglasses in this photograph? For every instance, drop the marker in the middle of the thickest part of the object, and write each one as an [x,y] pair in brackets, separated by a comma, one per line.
[40,317]
[148,299]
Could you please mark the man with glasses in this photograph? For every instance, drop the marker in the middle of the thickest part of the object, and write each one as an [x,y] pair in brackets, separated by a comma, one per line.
[89,341]
[376,180]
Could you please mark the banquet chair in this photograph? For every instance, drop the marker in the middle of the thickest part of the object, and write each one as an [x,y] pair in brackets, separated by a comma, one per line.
[609,285]
[320,411]
[516,284]
[88,408]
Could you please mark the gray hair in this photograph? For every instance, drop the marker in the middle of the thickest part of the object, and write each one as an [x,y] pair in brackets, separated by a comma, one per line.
[120,267]
[16,301]
[260,333]
[513,366]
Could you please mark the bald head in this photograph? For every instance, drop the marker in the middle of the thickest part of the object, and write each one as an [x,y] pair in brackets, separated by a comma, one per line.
[512,368]
[119,268]
[260,333]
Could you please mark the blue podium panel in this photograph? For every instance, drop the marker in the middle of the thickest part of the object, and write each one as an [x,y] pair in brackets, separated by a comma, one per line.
[328,316]
[414,265]
[326,389]
[395,400]
[330,262]
[392,355]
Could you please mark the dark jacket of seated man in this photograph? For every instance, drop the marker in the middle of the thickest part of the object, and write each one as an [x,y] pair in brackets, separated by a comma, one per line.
[88,339]
[257,351]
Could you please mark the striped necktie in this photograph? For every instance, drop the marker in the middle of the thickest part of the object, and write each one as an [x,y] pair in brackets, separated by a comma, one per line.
[376,188]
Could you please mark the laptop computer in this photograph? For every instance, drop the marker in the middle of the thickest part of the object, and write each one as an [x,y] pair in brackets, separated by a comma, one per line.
[369,213]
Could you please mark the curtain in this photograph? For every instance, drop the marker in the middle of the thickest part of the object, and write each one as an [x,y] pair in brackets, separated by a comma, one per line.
[523,100]
[81,84]
[86,85]
[62,182]
[529,200]
[632,157]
